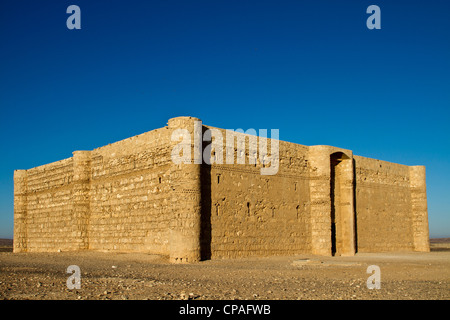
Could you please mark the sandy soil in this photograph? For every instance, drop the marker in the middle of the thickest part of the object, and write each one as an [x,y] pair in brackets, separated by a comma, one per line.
[142,276]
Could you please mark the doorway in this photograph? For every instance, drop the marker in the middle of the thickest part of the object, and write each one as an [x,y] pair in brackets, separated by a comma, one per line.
[342,209]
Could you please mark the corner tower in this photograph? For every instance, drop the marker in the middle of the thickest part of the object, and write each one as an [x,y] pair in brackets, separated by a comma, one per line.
[186,199]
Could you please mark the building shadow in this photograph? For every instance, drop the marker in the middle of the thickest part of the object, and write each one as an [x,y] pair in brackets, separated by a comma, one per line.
[205,215]
[205,223]
[354,206]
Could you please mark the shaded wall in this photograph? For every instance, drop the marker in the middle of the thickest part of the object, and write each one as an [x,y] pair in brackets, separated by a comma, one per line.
[259,215]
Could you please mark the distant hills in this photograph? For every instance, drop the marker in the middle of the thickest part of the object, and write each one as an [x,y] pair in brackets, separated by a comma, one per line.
[6,242]
[6,245]
[440,240]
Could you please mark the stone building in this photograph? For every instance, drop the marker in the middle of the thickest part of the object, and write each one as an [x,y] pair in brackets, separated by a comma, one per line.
[130,196]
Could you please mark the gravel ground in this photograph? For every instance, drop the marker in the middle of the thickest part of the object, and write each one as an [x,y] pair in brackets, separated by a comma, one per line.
[126,276]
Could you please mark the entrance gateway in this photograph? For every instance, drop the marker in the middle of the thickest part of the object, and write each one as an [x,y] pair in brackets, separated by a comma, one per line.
[342,205]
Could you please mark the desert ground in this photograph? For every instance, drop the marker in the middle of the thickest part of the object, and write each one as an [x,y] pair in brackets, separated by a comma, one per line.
[139,276]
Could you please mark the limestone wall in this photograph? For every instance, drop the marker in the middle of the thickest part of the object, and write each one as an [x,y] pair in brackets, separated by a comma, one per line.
[115,197]
[383,206]
[253,214]
[131,196]
[43,208]
[419,208]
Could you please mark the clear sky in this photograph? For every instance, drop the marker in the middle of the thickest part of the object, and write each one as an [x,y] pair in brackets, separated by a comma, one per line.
[311,69]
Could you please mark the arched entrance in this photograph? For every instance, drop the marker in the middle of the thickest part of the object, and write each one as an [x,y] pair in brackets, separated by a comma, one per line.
[342,213]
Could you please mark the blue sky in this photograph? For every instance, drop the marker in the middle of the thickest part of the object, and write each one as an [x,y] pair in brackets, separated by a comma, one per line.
[311,69]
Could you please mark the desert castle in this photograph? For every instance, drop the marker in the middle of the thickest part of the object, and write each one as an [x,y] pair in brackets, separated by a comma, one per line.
[131,196]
